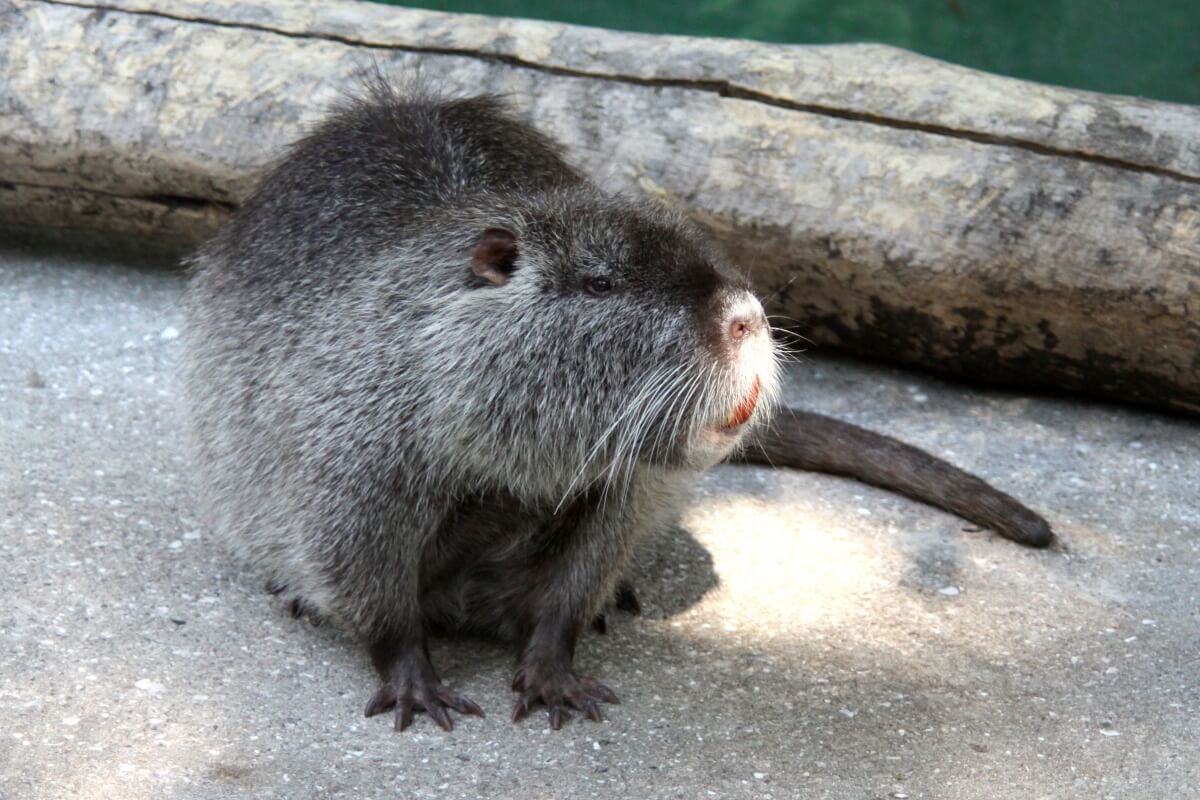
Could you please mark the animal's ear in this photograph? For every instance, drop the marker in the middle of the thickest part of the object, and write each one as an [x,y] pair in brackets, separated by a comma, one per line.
[495,256]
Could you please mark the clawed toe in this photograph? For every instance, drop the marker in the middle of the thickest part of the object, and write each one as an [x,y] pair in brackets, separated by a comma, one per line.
[436,701]
[627,599]
[558,693]
[384,699]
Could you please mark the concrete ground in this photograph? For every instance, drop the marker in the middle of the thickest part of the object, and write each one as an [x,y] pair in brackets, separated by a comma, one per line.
[805,636]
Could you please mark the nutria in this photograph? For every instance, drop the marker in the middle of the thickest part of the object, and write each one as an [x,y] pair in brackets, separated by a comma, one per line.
[439,381]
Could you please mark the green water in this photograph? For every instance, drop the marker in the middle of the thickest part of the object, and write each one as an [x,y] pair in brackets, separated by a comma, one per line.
[1139,47]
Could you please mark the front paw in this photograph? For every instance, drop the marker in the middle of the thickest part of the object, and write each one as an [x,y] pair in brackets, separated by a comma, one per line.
[412,687]
[558,688]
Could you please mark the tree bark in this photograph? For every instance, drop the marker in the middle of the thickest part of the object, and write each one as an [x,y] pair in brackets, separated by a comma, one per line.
[884,202]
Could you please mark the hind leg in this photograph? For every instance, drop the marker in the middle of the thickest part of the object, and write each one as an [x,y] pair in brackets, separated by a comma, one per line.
[297,606]
[625,599]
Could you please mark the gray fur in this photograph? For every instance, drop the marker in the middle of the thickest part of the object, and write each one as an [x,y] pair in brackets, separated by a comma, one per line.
[406,447]
[416,407]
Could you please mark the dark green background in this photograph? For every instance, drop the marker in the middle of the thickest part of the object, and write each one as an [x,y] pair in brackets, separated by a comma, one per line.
[1139,47]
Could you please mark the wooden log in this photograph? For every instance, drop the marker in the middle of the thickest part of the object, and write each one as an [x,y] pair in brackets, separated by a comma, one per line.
[890,204]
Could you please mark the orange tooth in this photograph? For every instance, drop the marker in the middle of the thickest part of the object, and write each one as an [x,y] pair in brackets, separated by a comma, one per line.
[741,414]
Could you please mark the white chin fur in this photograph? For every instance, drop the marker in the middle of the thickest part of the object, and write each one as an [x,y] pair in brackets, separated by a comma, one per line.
[757,364]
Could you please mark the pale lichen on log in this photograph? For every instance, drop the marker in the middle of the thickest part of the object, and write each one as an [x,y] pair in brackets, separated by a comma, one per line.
[892,204]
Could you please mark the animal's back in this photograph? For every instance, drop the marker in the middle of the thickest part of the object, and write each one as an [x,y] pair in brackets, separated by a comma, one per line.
[380,169]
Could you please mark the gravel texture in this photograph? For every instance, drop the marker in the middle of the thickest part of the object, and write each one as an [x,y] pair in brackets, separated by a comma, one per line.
[804,636]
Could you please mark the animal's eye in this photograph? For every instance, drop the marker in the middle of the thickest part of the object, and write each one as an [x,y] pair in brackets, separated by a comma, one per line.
[598,285]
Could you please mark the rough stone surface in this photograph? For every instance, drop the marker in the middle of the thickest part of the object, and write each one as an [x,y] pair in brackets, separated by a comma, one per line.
[805,636]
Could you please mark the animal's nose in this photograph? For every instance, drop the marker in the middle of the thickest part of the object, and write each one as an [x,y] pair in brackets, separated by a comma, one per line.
[745,319]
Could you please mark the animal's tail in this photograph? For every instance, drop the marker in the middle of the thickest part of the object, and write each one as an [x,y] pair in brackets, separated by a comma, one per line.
[815,442]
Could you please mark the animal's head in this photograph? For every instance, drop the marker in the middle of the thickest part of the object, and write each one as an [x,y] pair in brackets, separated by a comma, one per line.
[604,333]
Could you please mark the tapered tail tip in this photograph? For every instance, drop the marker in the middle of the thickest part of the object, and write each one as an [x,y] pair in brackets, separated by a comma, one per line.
[1029,529]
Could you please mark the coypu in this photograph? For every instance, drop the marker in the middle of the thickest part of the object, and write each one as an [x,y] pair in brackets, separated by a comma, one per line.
[440,381]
